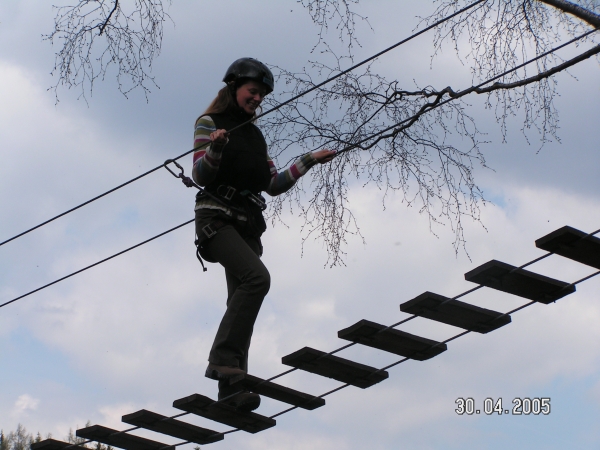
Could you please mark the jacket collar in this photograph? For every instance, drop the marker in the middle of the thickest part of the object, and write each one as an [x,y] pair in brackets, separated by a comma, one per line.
[238,113]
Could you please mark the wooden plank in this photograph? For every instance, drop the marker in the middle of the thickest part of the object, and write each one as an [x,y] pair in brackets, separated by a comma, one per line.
[521,282]
[51,444]
[107,436]
[453,312]
[220,412]
[569,243]
[394,341]
[344,370]
[173,427]
[278,392]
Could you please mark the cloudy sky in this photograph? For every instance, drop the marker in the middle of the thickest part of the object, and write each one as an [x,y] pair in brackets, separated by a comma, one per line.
[135,332]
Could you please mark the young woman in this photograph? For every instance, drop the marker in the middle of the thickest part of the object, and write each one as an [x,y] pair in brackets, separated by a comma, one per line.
[234,169]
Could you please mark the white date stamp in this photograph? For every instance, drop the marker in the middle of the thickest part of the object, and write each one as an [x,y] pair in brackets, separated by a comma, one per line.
[520,406]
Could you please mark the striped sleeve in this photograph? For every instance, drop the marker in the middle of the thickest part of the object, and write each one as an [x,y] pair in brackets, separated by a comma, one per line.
[207,156]
[283,181]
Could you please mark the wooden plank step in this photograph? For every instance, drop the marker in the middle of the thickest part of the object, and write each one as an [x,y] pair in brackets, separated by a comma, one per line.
[220,412]
[394,341]
[173,427]
[107,436]
[344,370]
[521,282]
[567,242]
[459,314]
[278,392]
[51,444]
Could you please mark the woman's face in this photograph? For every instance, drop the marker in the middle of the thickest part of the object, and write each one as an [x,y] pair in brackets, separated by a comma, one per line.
[249,96]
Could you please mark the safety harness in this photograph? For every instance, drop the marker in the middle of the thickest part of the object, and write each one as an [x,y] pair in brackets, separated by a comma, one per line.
[227,196]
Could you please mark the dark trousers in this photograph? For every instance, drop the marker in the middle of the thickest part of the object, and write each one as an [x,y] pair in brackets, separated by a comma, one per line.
[248,282]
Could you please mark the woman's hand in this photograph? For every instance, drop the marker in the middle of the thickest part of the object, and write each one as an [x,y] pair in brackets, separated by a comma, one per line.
[323,156]
[219,137]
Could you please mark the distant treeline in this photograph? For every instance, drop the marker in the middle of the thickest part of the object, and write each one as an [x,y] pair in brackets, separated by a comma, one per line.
[20,439]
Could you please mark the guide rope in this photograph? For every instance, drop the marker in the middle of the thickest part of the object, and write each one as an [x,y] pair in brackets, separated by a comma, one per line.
[96,263]
[436,104]
[186,180]
[439,22]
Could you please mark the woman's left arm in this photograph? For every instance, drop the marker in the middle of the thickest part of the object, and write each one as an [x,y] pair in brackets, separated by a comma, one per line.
[283,181]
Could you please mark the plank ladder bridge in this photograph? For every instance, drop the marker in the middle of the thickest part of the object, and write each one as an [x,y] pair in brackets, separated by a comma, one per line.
[567,242]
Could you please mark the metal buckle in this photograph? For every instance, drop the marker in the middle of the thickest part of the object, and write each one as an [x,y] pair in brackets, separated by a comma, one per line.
[256,199]
[208,231]
[229,194]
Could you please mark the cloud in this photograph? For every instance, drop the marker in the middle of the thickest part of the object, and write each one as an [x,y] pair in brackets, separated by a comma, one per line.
[112,414]
[24,404]
[135,331]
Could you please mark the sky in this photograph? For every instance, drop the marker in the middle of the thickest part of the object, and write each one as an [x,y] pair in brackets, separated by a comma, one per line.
[135,332]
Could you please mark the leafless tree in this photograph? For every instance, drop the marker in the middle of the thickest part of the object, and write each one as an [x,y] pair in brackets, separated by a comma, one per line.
[99,35]
[420,141]
[19,439]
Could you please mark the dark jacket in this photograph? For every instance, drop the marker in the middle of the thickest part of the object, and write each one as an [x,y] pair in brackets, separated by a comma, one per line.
[244,159]
[244,167]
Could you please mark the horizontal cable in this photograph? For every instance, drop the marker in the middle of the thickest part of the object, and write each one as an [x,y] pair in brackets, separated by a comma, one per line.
[371,58]
[343,150]
[439,22]
[355,145]
[93,199]
[431,106]
[346,149]
[96,263]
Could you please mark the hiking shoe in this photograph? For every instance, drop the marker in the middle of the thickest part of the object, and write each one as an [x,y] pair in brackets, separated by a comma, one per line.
[244,401]
[222,372]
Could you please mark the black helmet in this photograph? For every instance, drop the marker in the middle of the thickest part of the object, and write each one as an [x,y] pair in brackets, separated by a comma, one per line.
[250,68]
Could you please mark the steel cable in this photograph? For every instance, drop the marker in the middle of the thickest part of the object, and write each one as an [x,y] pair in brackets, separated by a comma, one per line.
[96,263]
[439,22]
[350,147]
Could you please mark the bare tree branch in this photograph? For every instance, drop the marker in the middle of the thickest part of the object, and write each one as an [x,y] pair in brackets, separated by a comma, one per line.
[411,141]
[341,13]
[569,7]
[97,38]
[430,158]
[109,16]
[327,215]
[541,76]
[430,172]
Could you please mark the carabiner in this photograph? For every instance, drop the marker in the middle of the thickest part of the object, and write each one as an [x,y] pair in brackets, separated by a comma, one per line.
[185,180]
[168,161]
[257,200]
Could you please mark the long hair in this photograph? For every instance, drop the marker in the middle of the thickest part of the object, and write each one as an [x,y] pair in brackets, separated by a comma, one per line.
[225,99]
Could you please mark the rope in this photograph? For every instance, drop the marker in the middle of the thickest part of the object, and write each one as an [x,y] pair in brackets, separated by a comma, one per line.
[439,22]
[91,200]
[96,263]
[345,385]
[189,182]
[430,106]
